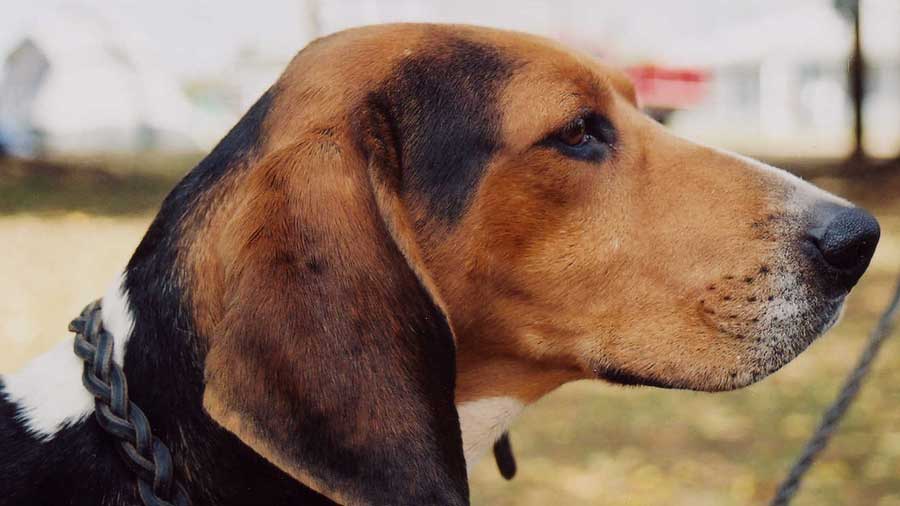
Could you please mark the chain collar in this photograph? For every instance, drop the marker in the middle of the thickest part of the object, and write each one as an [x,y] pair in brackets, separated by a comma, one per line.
[142,452]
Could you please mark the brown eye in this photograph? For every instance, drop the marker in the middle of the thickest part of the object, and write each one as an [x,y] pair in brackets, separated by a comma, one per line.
[590,137]
[574,133]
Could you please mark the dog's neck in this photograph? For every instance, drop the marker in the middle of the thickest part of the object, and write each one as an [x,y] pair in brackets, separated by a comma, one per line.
[491,391]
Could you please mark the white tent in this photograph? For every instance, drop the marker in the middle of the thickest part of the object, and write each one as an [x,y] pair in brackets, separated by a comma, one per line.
[76,83]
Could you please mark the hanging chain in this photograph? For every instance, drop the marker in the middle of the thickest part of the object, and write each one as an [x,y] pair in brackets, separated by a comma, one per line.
[838,409]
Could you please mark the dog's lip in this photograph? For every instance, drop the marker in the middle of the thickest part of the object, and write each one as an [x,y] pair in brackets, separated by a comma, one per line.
[619,376]
[826,315]
[816,317]
[822,320]
[837,306]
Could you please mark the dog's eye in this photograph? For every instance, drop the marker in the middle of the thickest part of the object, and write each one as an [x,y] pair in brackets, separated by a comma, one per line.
[589,137]
[574,133]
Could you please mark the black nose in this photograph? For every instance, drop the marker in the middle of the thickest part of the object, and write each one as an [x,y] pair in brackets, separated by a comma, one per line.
[846,238]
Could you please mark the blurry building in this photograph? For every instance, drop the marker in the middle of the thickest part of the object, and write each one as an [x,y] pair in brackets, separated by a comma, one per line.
[779,86]
[73,84]
[766,77]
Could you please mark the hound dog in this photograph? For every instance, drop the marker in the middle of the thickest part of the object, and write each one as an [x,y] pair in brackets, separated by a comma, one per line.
[417,231]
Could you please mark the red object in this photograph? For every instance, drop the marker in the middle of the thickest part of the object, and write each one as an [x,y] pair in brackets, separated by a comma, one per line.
[667,87]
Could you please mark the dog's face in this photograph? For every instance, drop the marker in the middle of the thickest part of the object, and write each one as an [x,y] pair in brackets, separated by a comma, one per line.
[426,200]
[566,230]
[569,235]
[597,241]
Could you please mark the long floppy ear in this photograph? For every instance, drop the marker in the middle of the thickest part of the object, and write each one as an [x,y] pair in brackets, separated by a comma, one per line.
[333,359]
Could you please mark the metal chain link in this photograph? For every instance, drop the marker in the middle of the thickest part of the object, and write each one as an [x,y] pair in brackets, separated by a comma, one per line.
[838,409]
[147,457]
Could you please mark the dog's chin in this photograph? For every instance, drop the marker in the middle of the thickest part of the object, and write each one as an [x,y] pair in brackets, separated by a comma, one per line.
[782,343]
[776,344]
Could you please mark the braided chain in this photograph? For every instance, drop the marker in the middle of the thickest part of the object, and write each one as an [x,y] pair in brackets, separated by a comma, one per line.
[143,453]
[838,409]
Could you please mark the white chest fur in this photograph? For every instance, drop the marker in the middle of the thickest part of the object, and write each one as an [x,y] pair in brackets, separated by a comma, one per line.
[483,422]
[48,390]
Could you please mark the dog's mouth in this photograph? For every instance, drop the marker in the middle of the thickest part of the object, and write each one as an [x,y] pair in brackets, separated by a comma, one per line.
[751,319]
[785,339]
[619,376]
[768,335]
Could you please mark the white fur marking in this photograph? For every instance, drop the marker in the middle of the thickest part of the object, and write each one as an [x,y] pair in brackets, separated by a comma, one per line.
[117,317]
[48,389]
[483,422]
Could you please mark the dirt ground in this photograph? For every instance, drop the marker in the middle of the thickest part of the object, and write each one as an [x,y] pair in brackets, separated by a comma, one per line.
[64,238]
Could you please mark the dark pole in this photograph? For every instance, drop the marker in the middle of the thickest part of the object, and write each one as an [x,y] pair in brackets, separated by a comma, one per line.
[857,84]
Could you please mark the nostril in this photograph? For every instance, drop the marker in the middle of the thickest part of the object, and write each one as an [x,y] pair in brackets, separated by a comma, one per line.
[848,239]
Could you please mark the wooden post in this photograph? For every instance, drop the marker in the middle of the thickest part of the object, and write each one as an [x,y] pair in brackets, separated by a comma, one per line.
[857,84]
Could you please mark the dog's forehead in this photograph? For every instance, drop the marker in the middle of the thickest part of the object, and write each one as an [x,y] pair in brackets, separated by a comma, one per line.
[457,95]
[552,63]
[444,101]
[337,71]
[458,98]
[538,62]
[543,84]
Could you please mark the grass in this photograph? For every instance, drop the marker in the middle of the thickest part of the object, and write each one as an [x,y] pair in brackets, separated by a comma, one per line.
[88,185]
[66,234]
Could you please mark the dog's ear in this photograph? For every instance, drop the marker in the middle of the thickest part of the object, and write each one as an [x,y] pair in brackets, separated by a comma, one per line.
[334,359]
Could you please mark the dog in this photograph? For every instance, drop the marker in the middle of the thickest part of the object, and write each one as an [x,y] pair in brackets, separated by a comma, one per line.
[417,231]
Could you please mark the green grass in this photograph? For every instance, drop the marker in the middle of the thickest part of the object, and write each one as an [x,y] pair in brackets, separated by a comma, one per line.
[104,187]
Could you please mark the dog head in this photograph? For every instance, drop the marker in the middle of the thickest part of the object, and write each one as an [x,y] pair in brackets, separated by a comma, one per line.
[430,208]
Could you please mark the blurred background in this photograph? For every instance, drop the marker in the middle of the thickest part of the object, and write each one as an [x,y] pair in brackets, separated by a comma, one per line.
[105,105]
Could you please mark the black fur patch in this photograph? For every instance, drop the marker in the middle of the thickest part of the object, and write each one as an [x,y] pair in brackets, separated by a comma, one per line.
[444,108]
[159,246]
[621,377]
[78,466]
[165,366]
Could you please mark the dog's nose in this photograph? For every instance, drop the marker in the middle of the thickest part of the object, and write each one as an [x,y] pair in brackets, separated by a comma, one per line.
[846,238]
